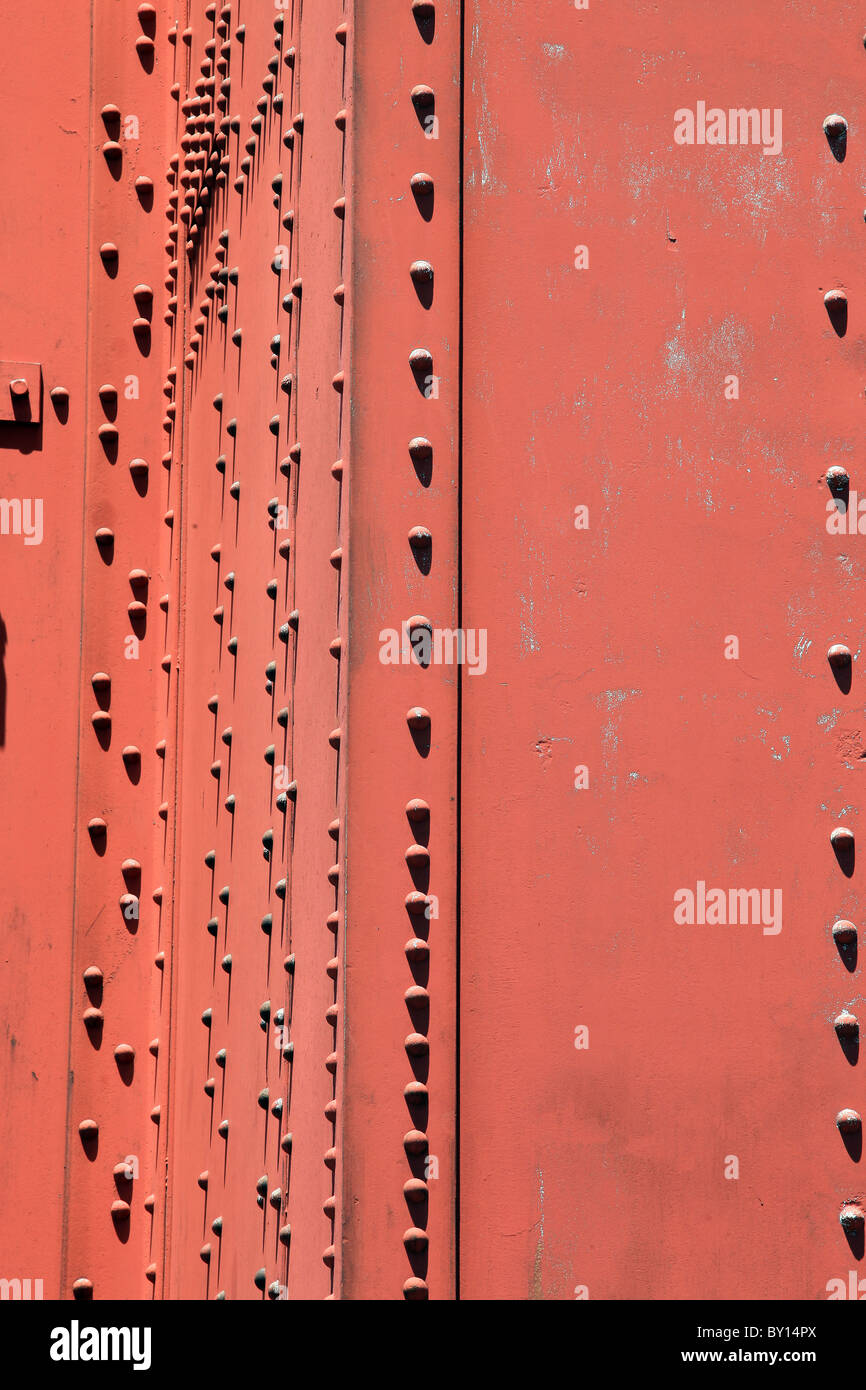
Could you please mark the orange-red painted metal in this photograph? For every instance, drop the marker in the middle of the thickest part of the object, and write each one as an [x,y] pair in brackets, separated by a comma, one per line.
[659,711]
[430,573]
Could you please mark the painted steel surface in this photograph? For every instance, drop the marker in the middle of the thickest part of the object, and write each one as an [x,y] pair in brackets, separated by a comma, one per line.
[654,1104]
[429,722]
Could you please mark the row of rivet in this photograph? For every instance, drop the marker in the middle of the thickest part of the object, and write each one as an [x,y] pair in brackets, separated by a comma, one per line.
[332,968]
[108,435]
[417,948]
[848,1121]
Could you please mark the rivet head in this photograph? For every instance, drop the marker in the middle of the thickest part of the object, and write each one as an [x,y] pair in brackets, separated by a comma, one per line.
[842,838]
[836,304]
[416,904]
[839,656]
[418,718]
[851,1217]
[848,1122]
[415,1239]
[837,478]
[846,1024]
[421,272]
[844,934]
[836,131]
[417,1045]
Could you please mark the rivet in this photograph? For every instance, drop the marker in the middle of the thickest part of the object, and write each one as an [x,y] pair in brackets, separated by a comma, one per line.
[851,1217]
[846,1023]
[415,1190]
[836,131]
[421,360]
[420,450]
[417,1045]
[421,185]
[839,656]
[415,1239]
[415,1142]
[418,718]
[844,933]
[836,304]
[848,1122]
[842,838]
[416,903]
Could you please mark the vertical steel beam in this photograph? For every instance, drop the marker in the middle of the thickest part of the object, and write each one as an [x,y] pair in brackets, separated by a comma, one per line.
[398,1098]
[646,542]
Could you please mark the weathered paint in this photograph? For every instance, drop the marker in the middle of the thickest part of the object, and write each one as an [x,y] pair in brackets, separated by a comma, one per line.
[371,978]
